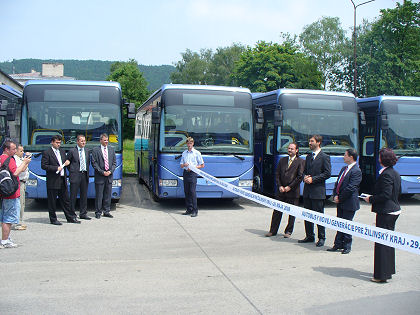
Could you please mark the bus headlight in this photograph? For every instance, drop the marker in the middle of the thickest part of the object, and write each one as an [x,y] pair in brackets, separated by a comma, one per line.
[116,183]
[168,182]
[31,182]
[245,183]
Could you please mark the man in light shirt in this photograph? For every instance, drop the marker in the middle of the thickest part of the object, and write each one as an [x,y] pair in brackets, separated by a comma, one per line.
[23,177]
[191,157]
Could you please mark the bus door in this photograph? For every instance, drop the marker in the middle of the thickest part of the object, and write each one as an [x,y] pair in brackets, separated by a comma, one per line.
[268,181]
[154,148]
[367,159]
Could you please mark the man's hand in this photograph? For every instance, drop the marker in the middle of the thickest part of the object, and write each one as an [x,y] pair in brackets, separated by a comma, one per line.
[281,189]
[336,199]
[308,179]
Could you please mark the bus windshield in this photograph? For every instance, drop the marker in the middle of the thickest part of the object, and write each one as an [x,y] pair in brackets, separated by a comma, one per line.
[72,110]
[219,122]
[332,117]
[403,132]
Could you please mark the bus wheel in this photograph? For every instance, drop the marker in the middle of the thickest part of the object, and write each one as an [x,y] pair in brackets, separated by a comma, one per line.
[115,200]
[155,197]
[141,181]
[256,184]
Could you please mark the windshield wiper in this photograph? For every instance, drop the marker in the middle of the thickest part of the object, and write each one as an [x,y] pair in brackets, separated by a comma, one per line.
[239,157]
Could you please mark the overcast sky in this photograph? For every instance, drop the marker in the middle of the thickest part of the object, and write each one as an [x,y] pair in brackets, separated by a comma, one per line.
[155,32]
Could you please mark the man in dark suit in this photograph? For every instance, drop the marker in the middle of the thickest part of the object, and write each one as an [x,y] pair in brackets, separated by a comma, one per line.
[104,162]
[53,162]
[79,176]
[317,171]
[289,174]
[346,196]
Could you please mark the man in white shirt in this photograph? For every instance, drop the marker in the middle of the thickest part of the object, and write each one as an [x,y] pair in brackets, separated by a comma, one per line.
[23,177]
[191,157]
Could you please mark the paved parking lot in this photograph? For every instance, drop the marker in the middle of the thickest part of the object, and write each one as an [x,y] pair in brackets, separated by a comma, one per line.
[150,259]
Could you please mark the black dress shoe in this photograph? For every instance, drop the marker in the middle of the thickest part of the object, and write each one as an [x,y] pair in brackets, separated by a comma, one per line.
[307,240]
[187,213]
[108,215]
[84,217]
[346,251]
[56,222]
[334,249]
[73,221]
[97,215]
[194,214]
[320,243]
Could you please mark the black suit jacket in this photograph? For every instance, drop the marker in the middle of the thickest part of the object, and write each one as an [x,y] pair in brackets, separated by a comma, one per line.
[98,164]
[289,176]
[348,194]
[50,164]
[387,189]
[320,170]
[74,167]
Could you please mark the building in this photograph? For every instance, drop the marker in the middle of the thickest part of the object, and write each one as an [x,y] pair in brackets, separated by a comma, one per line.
[50,71]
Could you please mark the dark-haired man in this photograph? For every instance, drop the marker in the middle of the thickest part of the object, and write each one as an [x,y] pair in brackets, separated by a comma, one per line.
[54,161]
[10,206]
[346,196]
[289,174]
[317,171]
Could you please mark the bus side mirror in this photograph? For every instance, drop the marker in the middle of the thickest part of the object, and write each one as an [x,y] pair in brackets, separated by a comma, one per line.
[362,118]
[278,117]
[155,116]
[11,113]
[384,122]
[260,116]
[131,111]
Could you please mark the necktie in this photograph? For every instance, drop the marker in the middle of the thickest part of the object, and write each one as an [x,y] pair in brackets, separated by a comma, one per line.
[289,163]
[57,154]
[313,156]
[106,159]
[82,161]
[341,181]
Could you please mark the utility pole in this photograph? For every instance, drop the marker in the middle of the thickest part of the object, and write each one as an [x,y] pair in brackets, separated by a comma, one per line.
[354,45]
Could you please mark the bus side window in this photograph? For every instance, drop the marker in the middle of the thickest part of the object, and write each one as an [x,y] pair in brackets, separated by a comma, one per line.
[368,146]
[269,145]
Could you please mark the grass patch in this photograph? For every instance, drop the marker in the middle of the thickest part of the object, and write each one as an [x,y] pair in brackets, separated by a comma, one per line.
[128,157]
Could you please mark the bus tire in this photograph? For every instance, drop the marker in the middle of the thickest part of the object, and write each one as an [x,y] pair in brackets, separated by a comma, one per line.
[115,200]
[256,184]
[141,181]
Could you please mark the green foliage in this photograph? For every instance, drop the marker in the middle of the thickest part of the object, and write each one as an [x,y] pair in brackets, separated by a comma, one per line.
[325,41]
[134,89]
[207,67]
[96,70]
[270,66]
[128,157]
[388,53]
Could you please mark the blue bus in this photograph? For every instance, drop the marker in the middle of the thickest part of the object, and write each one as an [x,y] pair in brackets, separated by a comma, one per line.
[392,122]
[68,108]
[293,115]
[220,121]
[10,100]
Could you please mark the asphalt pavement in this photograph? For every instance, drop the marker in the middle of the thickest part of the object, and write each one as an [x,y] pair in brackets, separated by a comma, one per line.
[150,259]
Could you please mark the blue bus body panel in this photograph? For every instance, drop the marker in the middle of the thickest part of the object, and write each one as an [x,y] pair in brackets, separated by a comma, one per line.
[409,169]
[227,168]
[40,191]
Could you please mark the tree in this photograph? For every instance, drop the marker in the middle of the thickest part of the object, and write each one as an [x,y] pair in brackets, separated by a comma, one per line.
[389,50]
[222,64]
[193,68]
[270,66]
[325,41]
[207,67]
[134,89]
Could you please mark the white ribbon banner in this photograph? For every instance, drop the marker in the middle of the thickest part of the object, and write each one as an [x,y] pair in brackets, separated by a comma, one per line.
[410,243]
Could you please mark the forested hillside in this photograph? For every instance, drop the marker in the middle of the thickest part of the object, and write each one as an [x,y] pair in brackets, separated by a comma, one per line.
[90,70]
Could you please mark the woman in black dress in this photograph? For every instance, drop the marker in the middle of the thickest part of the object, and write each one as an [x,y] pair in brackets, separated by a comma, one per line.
[385,204]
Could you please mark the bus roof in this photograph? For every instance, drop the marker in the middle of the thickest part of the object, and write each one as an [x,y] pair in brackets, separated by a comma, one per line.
[388,97]
[73,82]
[10,90]
[278,92]
[204,87]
